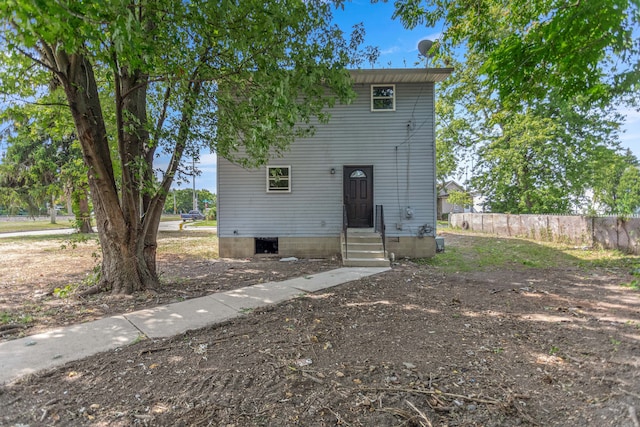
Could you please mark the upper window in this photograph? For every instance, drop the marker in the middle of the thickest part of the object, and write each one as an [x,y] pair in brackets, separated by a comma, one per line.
[278,179]
[358,174]
[383,97]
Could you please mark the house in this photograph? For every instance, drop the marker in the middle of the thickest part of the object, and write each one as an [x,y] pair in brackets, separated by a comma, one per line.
[444,207]
[364,186]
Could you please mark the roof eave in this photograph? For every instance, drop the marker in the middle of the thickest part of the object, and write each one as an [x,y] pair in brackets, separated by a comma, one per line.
[401,75]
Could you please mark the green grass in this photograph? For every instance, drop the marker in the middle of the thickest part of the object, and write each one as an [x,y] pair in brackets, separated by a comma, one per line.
[205,223]
[192,245]
[44,224]
[486,253]
[635,283]
[62,239]
[452,260]
[8,318]
[32,225]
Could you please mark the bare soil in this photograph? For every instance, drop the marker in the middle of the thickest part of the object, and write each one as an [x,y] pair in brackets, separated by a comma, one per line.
[416,346]
[33,272]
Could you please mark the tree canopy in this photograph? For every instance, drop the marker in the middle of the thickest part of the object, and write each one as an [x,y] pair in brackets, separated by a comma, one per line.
[618,185]
[43,160]
[151,77]
[530,109]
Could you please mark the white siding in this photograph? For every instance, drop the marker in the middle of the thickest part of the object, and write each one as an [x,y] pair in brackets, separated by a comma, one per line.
[390,141]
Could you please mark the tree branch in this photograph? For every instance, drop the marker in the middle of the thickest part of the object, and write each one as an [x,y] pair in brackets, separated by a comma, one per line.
[40,62]
[163,115]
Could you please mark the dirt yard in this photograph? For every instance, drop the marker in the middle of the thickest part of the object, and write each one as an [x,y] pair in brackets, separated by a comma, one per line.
[495,332]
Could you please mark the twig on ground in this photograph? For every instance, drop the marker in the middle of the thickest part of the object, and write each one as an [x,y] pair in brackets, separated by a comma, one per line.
[51,402]
[427,422]
[16,400]
[338,417]
[154,350]
[571,358]
[93,290]
[143,417]
[10,327]
[398,413]
[312,378]
[609,379]
[511,401]
[436,393]
[10,331]
[630,393]
[633,416]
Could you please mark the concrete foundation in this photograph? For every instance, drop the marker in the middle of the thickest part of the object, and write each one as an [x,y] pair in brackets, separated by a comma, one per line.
[301,247]
[236,247]
[324,247]
[309,247]
[412,247]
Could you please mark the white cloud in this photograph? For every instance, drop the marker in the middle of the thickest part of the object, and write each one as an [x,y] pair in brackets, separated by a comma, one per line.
[208,159]
[390,51]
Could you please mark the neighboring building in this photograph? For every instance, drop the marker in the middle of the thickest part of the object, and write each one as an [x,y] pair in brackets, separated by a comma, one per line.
[444,207]
[377,152]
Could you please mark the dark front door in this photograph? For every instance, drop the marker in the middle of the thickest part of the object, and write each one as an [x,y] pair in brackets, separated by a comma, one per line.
[358,195]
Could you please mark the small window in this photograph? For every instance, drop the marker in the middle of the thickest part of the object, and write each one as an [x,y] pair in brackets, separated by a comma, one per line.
[358,174]
[383,98]
[266,245]
[278,179]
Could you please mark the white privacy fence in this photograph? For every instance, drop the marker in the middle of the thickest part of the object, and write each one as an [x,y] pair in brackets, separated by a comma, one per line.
[609,232]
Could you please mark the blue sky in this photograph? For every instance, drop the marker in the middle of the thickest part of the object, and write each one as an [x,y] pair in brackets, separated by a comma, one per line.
[398,48]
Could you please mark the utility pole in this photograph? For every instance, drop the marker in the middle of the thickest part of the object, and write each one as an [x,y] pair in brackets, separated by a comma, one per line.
[195,198]
[175,206]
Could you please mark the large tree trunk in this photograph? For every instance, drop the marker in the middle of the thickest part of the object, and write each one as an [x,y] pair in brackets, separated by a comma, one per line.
[127,217]
[52,210]
[125,266]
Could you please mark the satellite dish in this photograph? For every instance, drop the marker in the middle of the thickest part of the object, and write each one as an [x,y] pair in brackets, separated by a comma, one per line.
[424,46]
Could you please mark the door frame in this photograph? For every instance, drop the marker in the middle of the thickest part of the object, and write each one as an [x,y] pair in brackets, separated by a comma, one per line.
[346,171]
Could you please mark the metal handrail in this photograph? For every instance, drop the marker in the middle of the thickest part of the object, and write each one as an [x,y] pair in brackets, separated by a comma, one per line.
[380,226]
[345,225]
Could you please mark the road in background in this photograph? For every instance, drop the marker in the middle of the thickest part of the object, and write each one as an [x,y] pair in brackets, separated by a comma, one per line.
[164,226]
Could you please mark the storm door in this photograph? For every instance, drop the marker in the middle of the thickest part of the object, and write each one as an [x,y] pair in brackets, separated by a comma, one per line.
[358,195]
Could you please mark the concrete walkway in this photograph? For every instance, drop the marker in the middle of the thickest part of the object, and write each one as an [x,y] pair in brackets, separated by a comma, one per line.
[56,347]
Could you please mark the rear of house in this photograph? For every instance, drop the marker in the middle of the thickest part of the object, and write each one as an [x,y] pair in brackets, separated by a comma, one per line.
[374,158]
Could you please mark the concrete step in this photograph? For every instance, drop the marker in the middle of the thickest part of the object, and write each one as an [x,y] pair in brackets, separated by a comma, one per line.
[365,246]
[364,239]
[362,232]
[364,254]
[366,262]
